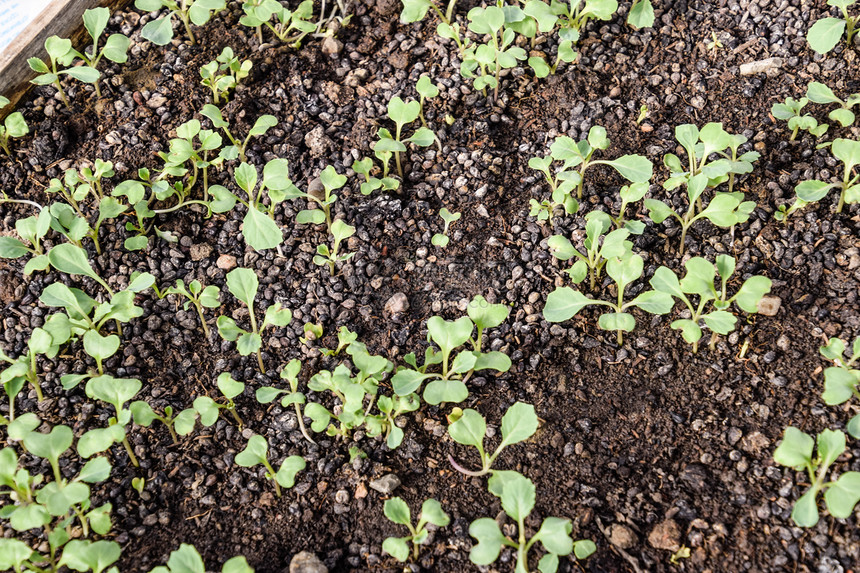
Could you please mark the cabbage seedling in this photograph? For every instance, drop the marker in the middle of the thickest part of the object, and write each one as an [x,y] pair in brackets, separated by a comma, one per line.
[825,33]
[517,494]
[591,262]
[259,13]
[699,280]
[396,510]
[331,181]
[197,12]
[32,230]
[116,392]
[848,152]
[817,92]
[416,10]
[256,453]
[331,256]
[73,260]
[263,124]
[243,284]
[13,126]
[841,380]
[449,385]
[187,559]
[641,14]
[840,495]
[180,424]
[402,114]
[518,424]
[182,150]
[290,373]
[791,110]
[564,303]
[115,48]
[441,239]
[224,73]
[491,57]
[61,55]
[371,184]
[198,297]
[427,90]
[391,407]
[209,408]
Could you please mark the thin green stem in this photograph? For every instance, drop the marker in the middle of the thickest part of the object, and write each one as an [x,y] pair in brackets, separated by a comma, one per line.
[130,452]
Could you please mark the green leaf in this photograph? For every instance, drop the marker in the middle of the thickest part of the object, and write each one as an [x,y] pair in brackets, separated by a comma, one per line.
[486,315]
[839,385]
[831,444]
[518,424]
[617,321]
[847,151]
[431,512]
[248,343]
[442,391]
[634,168]
[449,334]
[403,113]
[100,347]
[795,451]
[641,14]
[396,510]
[414,11]
[13,553]
[116,48]
[406,381]
[751,292]
[658,211]
[243,284]
[88,555]
[690,331]
[254,453]
[554,534]
[490,540]
[823,37]
[95,21]
[207,409]
[584,548]
[114,391]
[853,427]
[236,564]
[819,93]
[720,321]
[94,471]
[843,495]
[49,446]
[68,258]
[805,512]
[229,387]
[469,429]
[11,248]
[260,231]
[286,475]
[518,497]
[186,559]
[564,303]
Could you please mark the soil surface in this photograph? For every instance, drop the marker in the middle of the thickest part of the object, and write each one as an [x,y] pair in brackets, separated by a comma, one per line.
[646,447]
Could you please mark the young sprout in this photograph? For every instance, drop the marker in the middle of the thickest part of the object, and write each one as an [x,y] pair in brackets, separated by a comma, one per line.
[224,73]
[427,90]
[243,284]
[517,494]
[641,14]
[180,424]
[256,453]
[518,424]
[267,394]
[416,10]
[402,114]
[371,184]
[115,48]
[138,484]
[714,44]
[825,33]
[591,262]
[841,380]
[197,12]
[197,296]
[790,111]
[208,409]
[340,231]
[396,510]
[494,56]
[441,239]
[848,152]
[840,495]
[72,260]
[61,55]
[331,181]
[564,303]
[13,126]
[643,113]
[699,280]
[31,230]
[116,392]
[817,92]
[260,12]
[263,124]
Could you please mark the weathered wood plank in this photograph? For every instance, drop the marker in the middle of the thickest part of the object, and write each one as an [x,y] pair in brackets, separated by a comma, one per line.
[61,18]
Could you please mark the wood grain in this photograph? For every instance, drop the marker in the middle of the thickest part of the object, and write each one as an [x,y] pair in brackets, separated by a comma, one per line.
[61,18]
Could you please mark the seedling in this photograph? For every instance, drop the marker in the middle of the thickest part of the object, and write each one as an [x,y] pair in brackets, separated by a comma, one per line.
[138,484]
[449,385]
[848,152]
[427,90]
[321,213]
[714,44]
[32,230]
[416,10]
[290,373]
[825,33]
[61,56]
[841,380]
[371,184]
[819,93]
[180,424]
[13,126]
[331,256]
[197,12]
[396,510]
[197,296]
[402,114]
[263,124]
[208,409]
[391,408]
[256,453]
[699,280]
[116,392]
[115,48]
[591,262]
[72,260]
[441,239]
[564,303]
[345,337]
[45,340]
[791,110]
[224,73]
[258,226]
[243,284]
[290,27]
[517,494]
[739,164]
[643,113]
[518,424]
[725,209]
[641,14]
[840,495]
[492,57]
[186,559]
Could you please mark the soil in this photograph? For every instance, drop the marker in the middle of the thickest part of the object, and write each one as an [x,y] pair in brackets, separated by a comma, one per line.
[645,446]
